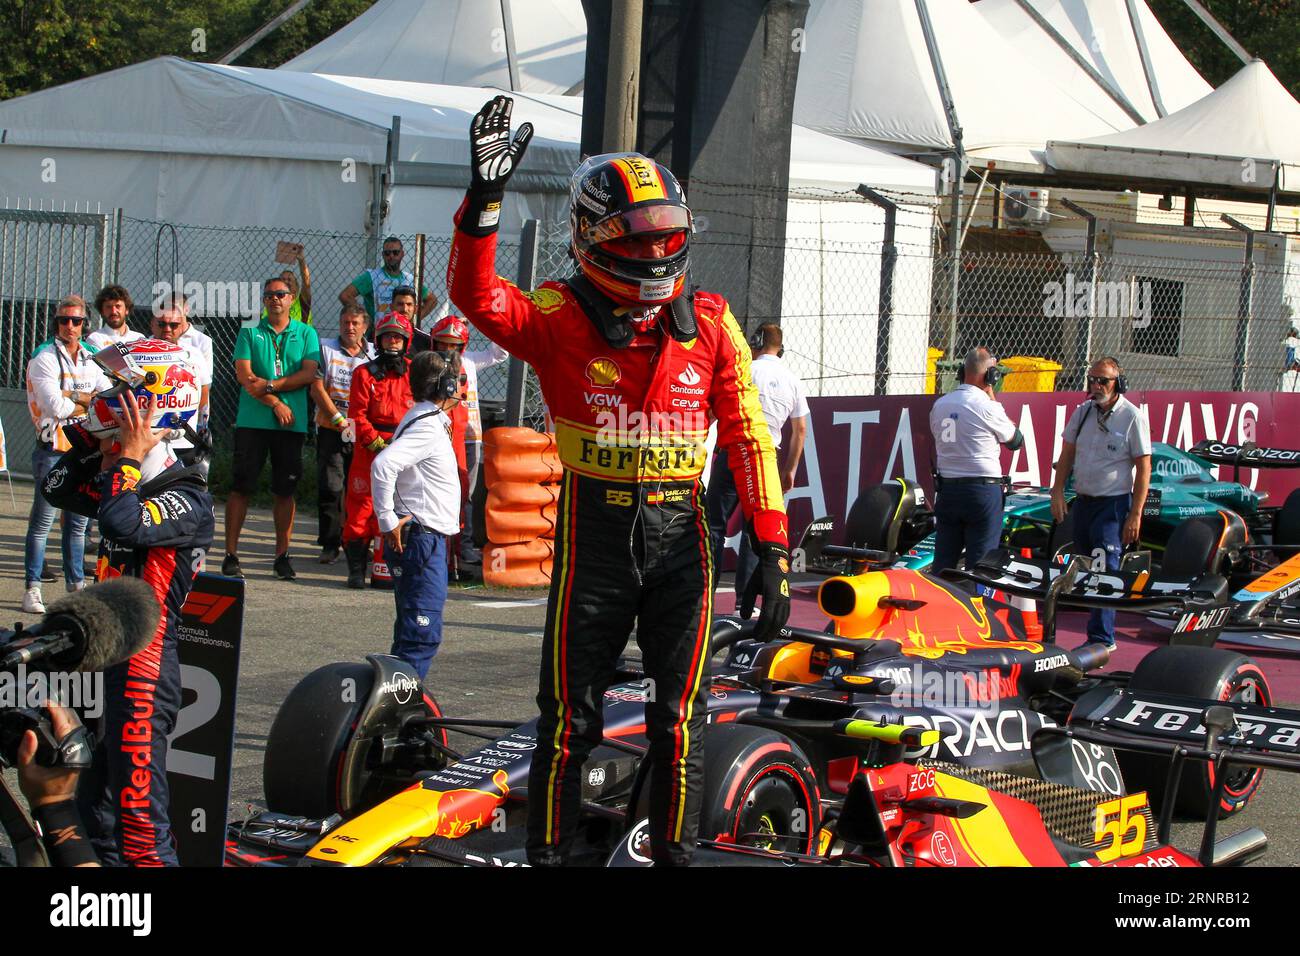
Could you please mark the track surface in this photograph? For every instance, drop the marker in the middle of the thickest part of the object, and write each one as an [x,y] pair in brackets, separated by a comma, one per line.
[491,647]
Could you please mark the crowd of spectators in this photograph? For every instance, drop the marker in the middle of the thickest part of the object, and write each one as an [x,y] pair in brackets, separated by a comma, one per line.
[293,383]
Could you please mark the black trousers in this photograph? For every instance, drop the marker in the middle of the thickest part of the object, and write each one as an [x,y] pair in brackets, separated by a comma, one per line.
[646,565]
[333,458]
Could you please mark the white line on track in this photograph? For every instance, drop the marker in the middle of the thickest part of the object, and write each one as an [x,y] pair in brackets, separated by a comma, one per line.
[531,602]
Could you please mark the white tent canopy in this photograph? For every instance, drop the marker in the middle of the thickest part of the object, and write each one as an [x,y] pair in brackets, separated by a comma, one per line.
[458,43]
[866,73]
[1102,33]
[1236,137]
[203,144]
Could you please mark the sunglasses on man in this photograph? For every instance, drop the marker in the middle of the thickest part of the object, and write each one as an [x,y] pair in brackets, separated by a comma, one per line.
[277,294]
[71,320]
[1099,380]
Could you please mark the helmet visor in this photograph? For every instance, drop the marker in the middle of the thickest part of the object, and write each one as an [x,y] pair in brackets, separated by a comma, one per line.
[114,363]
[661,217]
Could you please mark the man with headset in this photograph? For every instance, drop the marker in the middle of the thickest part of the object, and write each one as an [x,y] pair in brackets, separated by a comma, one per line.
[968,424]
[1107,446]
[416,489]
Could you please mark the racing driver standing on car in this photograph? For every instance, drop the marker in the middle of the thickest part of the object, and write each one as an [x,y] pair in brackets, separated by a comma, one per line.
[156,524]
[632,365]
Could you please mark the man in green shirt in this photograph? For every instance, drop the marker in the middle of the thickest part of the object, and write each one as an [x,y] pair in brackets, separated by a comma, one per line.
[275,363]
[376,286]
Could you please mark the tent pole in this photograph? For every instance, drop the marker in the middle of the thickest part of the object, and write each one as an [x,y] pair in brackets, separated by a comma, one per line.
[1120,99]
[269,27]
[1147,67]
[512,59]
[957,176]
[1219,30]
[1189,207]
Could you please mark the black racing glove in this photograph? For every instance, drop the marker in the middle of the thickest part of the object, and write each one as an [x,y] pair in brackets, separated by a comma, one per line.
[494,156]
[772,579]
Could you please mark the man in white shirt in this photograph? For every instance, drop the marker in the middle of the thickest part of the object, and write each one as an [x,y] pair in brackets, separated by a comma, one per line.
[782,397]
[453,333]
[113,303]
[1106,445]
[339,359]
[171,324]
[968,424]
[415,486]
[61,382]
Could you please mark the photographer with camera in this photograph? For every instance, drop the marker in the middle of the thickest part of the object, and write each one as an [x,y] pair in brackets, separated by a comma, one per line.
[51,795]
[156,521]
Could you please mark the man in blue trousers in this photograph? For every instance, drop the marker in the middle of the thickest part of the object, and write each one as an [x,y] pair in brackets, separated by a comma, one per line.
[416,490]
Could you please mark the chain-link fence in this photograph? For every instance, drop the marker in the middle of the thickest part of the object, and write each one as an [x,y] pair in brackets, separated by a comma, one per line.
[865,308]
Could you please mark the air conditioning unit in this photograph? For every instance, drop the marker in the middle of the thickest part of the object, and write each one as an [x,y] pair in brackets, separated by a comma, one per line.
[1024,206]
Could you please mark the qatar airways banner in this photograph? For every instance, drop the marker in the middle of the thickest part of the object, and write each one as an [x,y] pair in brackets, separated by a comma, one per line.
[856,442]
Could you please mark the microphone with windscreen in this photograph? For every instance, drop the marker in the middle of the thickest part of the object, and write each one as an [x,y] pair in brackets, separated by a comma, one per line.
[88,630]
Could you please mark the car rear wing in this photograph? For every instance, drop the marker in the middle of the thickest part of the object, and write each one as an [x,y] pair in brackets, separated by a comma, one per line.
[1075,585]
[1246,455]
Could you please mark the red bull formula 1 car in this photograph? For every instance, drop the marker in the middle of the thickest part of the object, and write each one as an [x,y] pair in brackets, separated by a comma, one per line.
[926,726]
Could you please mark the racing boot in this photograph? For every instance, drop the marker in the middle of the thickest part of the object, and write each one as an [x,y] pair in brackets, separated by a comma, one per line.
[356,555]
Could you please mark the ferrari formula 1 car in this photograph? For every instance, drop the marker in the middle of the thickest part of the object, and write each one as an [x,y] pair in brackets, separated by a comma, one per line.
[927,726]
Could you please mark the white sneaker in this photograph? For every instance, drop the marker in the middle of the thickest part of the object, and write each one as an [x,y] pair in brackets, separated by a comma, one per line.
[32,603]
[76,585]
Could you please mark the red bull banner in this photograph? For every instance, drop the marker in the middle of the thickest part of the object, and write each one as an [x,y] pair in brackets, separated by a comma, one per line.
[856,442]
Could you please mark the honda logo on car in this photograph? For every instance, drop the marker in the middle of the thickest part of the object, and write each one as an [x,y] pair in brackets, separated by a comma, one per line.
[1051,663]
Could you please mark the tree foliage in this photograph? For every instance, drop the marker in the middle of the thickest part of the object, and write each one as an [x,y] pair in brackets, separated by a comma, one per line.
[48,42]
[1268,29]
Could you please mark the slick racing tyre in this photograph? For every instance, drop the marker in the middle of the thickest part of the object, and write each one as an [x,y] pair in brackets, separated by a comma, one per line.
[302,773]
[759,790]
[1209,673]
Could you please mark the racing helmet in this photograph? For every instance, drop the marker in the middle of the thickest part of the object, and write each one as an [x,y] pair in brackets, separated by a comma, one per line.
[394,322]
[452,328]
[616,200]
[143,369]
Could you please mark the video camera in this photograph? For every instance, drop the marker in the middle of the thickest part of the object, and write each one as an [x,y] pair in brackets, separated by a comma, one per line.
[84,633]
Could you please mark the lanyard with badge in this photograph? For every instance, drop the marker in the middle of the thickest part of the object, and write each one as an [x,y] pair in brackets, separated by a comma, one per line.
[277,345]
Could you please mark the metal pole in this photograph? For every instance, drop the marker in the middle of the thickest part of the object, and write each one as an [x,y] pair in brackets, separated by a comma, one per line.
[624,77]
[266,28]
[1245,304]
[526,279]
[1083,332]
[118,219]
[1272,196]
[418,272]
[888,260]
[1219,30]
[512,59]
[958,159]
[1081,61]
[1145,55]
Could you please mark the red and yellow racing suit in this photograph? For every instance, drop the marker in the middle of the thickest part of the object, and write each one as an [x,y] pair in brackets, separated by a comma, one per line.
[631,542]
